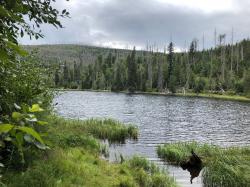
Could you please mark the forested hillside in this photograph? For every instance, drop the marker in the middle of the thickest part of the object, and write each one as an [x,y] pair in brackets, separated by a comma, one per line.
[225,68]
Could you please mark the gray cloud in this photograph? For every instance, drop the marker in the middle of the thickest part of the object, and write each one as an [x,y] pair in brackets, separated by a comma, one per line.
[136,22]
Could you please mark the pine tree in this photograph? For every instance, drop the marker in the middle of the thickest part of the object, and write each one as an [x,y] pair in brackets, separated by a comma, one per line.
[117,83]
[170,64]
[160,76]
[76,73]
[65,75]
[57,78]
[132,71]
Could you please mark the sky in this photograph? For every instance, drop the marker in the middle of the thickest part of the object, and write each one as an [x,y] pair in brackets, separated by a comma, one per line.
[128,23]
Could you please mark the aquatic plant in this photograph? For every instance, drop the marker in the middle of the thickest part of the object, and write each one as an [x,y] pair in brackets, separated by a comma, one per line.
[107,129]
[229,167]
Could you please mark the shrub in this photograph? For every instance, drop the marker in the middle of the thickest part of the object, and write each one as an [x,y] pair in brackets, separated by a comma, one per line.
[19,131]
[200,84]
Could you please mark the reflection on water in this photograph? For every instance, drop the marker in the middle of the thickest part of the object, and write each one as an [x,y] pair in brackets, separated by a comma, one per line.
[162,119]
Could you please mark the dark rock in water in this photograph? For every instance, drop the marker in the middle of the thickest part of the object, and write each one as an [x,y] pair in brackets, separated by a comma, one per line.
[193,165]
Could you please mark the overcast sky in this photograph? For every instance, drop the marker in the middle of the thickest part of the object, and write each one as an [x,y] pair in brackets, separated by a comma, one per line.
[125,23]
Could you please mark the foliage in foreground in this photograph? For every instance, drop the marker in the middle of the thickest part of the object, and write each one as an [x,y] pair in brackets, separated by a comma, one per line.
[227,167]
[78,167]
[74,161]
[22,81]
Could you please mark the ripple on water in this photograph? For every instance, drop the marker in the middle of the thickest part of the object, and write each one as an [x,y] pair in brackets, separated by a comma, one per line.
[163,119]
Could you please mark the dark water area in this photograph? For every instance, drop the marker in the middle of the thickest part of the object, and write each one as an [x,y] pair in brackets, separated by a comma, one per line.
[162,119]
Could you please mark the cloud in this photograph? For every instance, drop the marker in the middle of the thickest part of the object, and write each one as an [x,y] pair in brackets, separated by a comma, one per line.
[119,23]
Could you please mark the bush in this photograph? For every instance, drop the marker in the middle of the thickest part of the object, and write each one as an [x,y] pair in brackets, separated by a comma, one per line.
[28,84]
[239,86]
[19,132]
[246,83]
[200,84]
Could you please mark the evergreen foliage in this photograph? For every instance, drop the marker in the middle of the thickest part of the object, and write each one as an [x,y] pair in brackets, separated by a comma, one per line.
[121,70]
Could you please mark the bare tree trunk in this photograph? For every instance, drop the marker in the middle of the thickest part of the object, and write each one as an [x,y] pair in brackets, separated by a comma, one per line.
[211,69]
[187,71]
[203,47]
[232,51]
[160,61]
[238,58]
[222,45]
[149,69]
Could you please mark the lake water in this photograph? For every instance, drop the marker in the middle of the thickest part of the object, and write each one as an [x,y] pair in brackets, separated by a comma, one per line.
[162,119]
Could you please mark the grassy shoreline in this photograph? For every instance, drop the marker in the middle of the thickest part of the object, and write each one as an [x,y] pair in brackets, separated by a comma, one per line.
[228,167]
[227,97]
[74,159]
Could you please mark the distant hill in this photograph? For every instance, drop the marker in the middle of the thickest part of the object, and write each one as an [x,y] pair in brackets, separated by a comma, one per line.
[74,53]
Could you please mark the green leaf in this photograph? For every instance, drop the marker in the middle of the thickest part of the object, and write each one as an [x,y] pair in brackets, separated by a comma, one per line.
[4,128]
[8,139]
[28,138]
[19,138]
[42,123]
[31,119]
[16,115]
[16,48]
[31,132]
[35,108]
[2,144]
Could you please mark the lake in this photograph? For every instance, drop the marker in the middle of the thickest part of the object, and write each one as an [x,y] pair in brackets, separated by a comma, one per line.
[162,119]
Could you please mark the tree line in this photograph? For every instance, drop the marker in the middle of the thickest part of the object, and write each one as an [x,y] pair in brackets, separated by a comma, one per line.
[225,68]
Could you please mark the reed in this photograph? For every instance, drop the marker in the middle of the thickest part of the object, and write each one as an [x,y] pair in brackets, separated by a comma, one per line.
[225,167]
[105,129]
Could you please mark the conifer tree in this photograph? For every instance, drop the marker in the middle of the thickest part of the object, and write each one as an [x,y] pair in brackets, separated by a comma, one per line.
[132,68]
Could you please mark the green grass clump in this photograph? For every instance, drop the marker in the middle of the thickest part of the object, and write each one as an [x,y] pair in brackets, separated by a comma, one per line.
[230,170]
[74,160]
[147,174]
[175,153]
[229,167]
[107,129]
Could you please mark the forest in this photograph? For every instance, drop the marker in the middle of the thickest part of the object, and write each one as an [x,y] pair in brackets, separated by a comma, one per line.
[220,70]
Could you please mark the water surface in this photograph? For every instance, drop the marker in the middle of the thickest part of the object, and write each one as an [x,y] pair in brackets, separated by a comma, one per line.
[162,119]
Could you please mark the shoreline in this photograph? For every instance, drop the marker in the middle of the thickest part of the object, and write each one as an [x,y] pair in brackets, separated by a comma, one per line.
[189,94]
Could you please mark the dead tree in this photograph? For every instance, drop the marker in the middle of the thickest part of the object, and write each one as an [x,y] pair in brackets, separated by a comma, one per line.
[232,50]
[222,39]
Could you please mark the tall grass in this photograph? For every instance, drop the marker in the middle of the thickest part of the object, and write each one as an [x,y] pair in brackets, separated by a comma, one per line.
[147,174]
[73,160]
[225,167]
[107,129]
[175,153]
[77,167]
[227,170]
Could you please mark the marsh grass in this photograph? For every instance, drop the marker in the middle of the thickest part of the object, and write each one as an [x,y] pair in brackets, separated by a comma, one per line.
[216,96]
[225,167]
[107,129]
